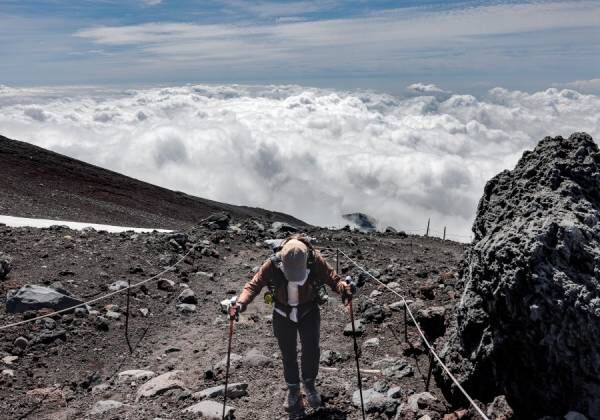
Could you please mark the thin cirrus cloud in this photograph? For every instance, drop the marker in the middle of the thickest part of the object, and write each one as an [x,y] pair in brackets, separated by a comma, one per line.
[314,153]
[480,43]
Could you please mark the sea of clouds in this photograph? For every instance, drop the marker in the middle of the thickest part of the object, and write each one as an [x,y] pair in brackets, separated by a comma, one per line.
[313,153]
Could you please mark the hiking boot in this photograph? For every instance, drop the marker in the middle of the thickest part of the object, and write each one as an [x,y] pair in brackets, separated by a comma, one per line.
[294,401]
[312,394]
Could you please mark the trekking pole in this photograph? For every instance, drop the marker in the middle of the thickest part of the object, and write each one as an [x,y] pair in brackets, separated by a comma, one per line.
[233,316]
[356,355]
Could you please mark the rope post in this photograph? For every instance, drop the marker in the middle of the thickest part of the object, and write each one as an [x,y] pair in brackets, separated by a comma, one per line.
[444,238]
[337,260]
[429,372]
[427,232]
[127,316]
[405,324]
[356,356]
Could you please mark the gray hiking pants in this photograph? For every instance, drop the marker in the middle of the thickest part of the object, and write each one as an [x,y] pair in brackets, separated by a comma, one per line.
[287,332]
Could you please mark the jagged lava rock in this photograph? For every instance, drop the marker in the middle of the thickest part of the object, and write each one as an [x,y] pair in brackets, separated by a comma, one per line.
[528,323]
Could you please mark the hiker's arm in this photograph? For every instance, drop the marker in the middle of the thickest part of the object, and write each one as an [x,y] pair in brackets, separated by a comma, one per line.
[328,274]
[254,286]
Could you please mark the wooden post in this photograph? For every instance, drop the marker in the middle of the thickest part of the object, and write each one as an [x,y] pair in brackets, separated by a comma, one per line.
[444,239]
[405,325]
[127,316]
[337,261]
[427,232]
[429,372]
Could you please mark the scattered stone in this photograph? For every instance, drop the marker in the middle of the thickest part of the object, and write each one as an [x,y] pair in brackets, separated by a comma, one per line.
[21,343]
[187,296]
[499,409]
[210,409]
[101,323]
[331,357]
[418,402]
[100,388]
[398,369]
[50,337]
[8,372]
[574,415]
[255,358]
[112,315]
[160,384]
[277,227]
[235,361]
[111,307]
[375,293]
[359,327]
[427,290]
[396,306]
[375,402]
[206,275]
[104,406]
[81,312]
[219,221]
[33,297]
[144,312]
[166,285]
[380,386]
[372,342]
[5,265]
[374,313]
[235,390]
[135,375]
[186,308]
[118,285]
[9,360]
[432,320]
[395,392]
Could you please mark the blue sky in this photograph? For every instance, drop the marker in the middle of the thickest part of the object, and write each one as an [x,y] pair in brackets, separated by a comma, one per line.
[379,44]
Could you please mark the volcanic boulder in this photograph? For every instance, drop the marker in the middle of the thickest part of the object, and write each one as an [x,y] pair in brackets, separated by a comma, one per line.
[528,323]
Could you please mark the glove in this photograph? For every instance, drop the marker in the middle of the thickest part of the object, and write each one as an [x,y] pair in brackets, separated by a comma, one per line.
[346,291]
[235,309]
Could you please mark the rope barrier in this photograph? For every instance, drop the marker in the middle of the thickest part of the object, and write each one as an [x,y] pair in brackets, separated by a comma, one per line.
[429,346]
[89,302]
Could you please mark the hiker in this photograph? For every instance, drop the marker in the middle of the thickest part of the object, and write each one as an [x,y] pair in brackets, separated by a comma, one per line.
[295,277]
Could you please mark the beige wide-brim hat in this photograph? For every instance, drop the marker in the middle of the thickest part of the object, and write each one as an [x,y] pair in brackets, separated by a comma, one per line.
[294,257]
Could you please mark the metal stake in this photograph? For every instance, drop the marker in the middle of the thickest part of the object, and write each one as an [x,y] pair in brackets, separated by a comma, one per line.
[429,372]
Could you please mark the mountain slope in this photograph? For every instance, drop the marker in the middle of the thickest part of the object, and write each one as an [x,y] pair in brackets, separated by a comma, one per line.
[35,182]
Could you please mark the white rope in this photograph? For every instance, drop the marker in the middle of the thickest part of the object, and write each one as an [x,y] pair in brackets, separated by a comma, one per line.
[89,302]
[429,346]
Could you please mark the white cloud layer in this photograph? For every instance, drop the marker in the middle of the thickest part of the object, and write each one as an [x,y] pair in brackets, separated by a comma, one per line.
[312,153]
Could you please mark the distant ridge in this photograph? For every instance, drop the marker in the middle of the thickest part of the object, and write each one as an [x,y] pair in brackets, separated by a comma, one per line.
[35,182]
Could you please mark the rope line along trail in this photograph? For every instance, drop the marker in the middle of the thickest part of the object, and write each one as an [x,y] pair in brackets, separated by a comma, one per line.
[89,302]
[429,346]
[130,286]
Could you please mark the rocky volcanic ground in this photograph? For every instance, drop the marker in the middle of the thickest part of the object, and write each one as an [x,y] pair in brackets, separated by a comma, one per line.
[71,366]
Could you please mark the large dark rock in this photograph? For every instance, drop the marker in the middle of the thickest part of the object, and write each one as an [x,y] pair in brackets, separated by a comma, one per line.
[32,298]
[528,324]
